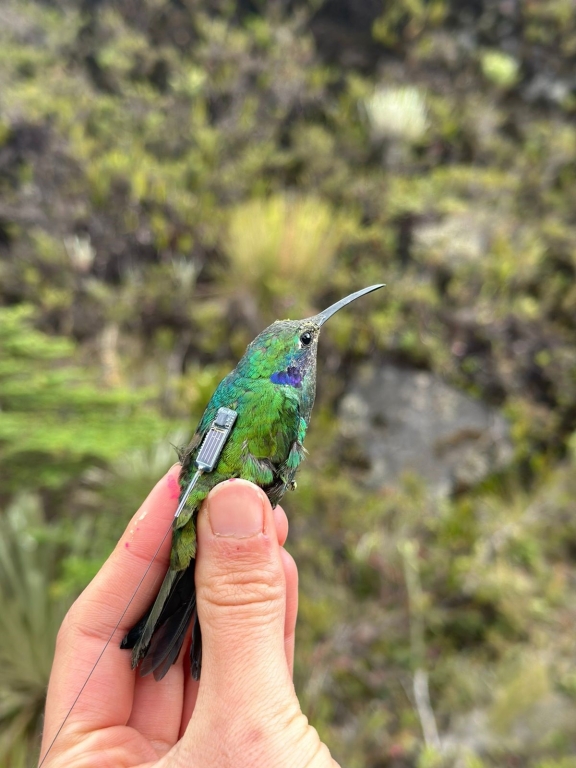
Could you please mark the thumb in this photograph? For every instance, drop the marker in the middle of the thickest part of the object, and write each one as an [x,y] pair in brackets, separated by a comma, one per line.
[241,592]
[246,713]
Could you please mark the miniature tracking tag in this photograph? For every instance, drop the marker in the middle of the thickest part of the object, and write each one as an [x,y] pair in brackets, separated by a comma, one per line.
[210,449]
[215,440]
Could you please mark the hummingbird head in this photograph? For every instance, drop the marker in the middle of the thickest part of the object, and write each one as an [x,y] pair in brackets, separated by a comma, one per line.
[285,352]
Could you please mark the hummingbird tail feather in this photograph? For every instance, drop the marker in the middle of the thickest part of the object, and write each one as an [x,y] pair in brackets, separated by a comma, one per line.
[157,638]
[196,650]
[133,635]
[168,639]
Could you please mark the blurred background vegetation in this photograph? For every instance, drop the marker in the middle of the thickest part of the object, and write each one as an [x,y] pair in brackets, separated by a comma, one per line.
[176,175]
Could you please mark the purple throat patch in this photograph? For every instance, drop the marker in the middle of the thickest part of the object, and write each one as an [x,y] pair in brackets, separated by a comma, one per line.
[291,376]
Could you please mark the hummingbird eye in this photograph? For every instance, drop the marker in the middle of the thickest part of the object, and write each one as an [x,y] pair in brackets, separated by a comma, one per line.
[306,338]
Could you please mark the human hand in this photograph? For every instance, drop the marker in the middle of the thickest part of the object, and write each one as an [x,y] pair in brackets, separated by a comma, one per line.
[244,711]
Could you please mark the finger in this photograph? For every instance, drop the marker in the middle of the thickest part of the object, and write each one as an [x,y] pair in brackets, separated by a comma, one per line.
[239,578]
[191,686]
[108,696]
[291,576]
[281,522]
[157,708]
[246,701]
[241,589]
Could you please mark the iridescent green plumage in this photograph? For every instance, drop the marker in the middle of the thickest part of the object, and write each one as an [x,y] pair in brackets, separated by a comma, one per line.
[272,389]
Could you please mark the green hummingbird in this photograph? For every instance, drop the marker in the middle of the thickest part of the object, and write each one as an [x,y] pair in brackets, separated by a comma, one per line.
[272,391]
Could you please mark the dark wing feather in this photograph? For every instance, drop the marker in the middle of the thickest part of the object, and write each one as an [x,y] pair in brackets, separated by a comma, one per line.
[171,627]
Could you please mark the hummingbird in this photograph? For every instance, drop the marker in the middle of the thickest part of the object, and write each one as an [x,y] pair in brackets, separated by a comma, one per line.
[271,394]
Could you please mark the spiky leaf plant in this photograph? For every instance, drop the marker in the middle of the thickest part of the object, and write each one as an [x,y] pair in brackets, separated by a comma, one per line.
[30,615]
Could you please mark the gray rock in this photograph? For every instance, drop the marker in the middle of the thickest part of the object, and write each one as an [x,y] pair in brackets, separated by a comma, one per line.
[411,421]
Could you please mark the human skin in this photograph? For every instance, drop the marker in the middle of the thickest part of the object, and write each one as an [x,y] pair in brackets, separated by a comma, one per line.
[244,712]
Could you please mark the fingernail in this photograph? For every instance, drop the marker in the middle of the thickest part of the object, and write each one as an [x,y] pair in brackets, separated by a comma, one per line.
[237,513]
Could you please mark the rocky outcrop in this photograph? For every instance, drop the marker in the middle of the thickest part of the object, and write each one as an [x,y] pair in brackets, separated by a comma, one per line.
[410,421]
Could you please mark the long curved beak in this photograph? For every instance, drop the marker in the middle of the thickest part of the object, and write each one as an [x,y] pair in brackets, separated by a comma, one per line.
[321,317]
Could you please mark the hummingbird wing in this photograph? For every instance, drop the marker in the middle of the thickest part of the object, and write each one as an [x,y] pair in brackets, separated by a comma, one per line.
[271,437]
[170,628]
